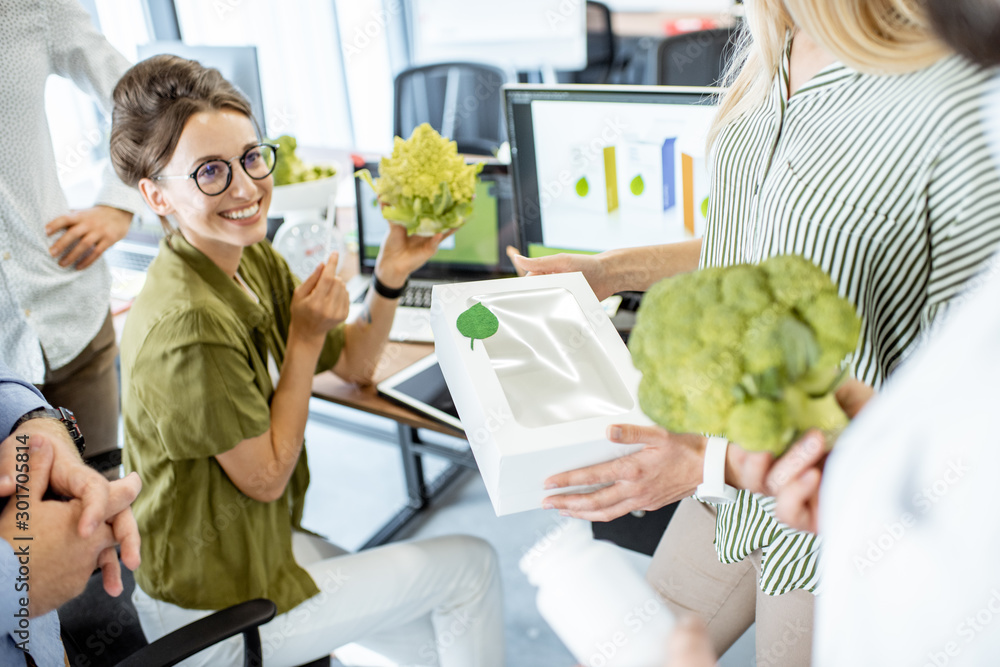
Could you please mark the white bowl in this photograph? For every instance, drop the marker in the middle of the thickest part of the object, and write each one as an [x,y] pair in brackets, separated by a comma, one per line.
[307,195]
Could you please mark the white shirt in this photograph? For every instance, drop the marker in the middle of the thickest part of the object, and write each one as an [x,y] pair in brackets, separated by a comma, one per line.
[908,506]
[43,306]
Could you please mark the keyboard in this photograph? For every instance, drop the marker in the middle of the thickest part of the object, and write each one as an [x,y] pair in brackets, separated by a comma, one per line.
[416,296]
[131,256]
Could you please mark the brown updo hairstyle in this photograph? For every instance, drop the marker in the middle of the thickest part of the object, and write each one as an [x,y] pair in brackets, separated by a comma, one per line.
[152,103]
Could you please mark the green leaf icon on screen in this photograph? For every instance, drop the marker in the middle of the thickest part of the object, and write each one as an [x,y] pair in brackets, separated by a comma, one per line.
[477,322]
[704,208]
[582,187]
[637,186]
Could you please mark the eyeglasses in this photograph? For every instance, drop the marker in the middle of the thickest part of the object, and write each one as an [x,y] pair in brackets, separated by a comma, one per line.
[213,176]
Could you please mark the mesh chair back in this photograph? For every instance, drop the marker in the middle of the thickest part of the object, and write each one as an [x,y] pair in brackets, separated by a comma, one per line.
[695,58]
[460,100]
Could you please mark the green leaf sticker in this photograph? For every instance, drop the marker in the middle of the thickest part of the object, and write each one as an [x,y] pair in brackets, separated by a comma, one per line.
[637,186]
[704,208]
[477,322]
[582,187]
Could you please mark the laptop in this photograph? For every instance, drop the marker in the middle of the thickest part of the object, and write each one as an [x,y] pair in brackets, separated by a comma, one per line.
[477,251]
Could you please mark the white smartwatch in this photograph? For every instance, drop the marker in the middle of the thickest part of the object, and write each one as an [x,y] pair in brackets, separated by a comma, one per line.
[713,488]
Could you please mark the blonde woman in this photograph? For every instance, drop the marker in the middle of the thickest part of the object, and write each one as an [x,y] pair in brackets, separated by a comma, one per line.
[852,136]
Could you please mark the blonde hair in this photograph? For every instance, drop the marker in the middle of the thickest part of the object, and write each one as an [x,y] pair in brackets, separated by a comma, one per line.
[870,36]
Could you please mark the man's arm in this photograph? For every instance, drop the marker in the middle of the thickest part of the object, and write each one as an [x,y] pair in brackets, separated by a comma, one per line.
[80,53]
[17,398]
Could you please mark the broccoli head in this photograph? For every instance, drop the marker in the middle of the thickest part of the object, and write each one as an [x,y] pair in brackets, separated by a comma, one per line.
[760,425]
[795,280]
[750,352]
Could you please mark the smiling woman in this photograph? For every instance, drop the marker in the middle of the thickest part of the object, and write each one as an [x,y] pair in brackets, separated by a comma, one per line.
[218,356]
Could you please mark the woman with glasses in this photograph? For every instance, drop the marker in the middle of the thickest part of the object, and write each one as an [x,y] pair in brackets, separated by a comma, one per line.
[218,356]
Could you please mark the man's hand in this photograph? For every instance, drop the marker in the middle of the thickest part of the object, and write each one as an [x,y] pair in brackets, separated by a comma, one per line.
[59,561]
[666,470]
[794,479]
[689,645]
[88,234]
[101,502]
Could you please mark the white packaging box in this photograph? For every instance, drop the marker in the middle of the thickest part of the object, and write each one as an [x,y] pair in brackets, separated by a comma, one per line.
[535,398]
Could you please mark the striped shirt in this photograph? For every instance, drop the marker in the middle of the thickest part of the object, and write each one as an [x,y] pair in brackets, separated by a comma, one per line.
[885,182]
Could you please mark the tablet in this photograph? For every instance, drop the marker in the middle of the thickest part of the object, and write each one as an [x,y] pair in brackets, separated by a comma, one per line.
[421,386]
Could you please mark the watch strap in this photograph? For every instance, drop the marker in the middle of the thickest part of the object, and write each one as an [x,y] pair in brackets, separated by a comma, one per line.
[63,415]
[387,292]
[713,488]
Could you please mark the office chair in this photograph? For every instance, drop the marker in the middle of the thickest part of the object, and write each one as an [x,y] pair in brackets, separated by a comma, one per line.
[101,631]
[601,46]
[460,100]
[695,58]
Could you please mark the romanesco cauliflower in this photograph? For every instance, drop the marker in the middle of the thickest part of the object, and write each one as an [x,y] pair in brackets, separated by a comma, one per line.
[290,167]
[749,352]
[425,184]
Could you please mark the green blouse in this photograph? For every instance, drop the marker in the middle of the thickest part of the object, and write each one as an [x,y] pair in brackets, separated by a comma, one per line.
[195,383]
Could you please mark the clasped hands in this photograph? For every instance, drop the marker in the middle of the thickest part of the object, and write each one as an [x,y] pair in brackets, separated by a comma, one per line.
[73,537]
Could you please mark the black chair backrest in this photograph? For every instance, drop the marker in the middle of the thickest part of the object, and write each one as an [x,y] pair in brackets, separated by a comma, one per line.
[459,100]
[98,629]
[695,58]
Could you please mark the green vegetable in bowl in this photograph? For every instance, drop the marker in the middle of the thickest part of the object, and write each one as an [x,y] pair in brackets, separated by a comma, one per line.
[425,184]
[291,169]
[753,353]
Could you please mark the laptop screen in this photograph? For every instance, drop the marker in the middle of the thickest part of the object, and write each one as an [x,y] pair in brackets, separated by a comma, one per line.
[602,167]
[476,251]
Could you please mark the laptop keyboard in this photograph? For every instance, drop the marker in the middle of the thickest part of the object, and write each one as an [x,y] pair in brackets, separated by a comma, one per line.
[416,296]
[129,259]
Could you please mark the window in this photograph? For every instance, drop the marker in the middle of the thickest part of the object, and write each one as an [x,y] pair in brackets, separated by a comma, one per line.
[302,78]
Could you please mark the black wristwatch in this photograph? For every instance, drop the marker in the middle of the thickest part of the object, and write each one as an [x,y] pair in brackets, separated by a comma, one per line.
[63,415]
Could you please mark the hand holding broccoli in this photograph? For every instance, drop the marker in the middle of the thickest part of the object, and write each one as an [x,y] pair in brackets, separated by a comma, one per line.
[750,352]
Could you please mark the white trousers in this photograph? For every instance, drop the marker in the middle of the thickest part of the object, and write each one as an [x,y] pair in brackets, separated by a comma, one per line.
[427,603]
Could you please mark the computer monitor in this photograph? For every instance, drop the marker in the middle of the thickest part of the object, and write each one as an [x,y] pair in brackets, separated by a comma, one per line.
[475,252]
[520,35]
[238,64]
[602,167]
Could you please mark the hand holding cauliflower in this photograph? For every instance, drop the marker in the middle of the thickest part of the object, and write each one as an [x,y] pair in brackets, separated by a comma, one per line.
[425,184]
[753,353]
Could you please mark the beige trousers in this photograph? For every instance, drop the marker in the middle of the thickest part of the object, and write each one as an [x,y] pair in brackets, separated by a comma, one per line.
[88,386]
[687,574]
